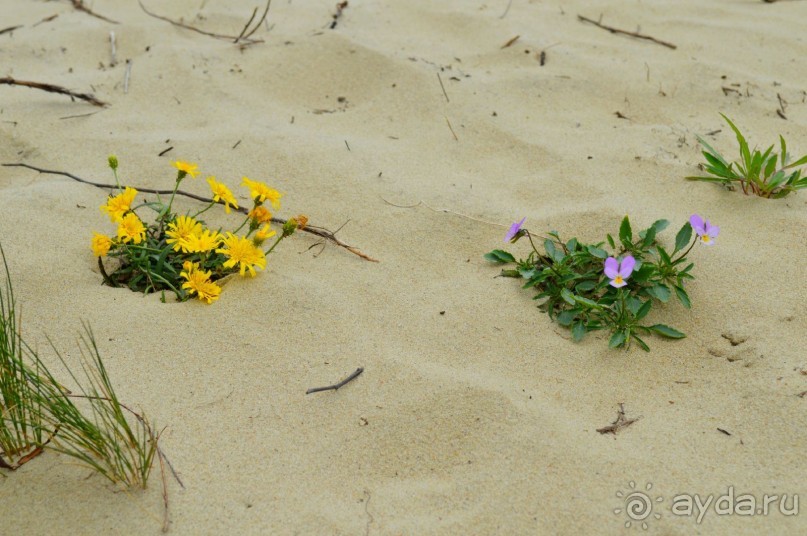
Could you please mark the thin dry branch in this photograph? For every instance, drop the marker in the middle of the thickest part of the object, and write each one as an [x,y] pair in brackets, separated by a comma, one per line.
[322,232]
[233,38]
[258,25]
[53,89]
[613,30]
[620,422]
[79,5]
[10,29]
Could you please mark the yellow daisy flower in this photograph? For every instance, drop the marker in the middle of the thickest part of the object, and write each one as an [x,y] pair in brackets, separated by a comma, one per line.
[180,230]
[260,215]
[100,244]
[264,233]
[186,168]
[222,193]
[260,192]
[198,282]
[241,251]
[131,229]
[117,206]
[203,241]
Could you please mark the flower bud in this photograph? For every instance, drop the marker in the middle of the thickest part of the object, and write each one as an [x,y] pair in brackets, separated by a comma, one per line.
[113,161]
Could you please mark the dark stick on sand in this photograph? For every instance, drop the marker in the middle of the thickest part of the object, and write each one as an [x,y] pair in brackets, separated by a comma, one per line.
[79,5]
[53,89]
[613,30]
[10,29]
[311,229]
[243,37]
[336,386]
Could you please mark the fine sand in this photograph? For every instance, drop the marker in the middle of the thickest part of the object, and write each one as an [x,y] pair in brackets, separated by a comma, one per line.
[475,414]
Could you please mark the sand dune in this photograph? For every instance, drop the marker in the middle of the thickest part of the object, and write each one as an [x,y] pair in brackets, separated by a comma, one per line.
[478,420]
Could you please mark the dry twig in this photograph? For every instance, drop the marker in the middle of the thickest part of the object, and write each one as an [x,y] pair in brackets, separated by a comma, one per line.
[242,37]
[10,29]
[340,6]
[336,386]
[79,5]
[620,422]
[625,32]
[311,229]
[53,89]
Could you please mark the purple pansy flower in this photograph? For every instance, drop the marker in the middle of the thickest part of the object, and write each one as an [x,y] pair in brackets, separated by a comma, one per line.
[706,231]
[514,230]
[618,272]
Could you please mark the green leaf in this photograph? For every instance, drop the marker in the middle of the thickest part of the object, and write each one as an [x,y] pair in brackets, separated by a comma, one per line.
[634,304]
[625,232]
[683,237]
[644,309]
[597,252]
[667,331]
[649,237]
[500,256]
[660,225]
[683,297]
[571,245]
[643,345]
[770,167]
[801,161]
[611,241]
[660,292]
[585,286]
[587,302]
[566,318]
[784,150]
[664,256]
[567,296]
[578,331]
[711,151]
[617,339]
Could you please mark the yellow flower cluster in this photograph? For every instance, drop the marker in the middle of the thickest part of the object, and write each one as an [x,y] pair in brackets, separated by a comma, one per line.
[205,254]
[198,282]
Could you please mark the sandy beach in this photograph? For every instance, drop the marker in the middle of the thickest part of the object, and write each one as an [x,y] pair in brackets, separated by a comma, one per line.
[413,124]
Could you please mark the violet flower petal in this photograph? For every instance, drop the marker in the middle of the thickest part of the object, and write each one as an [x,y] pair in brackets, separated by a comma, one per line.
[626,267]
[697,223]
[514,229]
[611,268]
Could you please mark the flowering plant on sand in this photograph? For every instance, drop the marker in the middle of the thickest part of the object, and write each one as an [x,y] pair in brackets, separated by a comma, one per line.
[179,252]
[585,288]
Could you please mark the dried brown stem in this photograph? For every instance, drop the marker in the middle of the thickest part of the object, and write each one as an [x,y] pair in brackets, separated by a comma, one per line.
[79,5]
[258,25]
[233,38]
[335,387]
[613,30]
[620,422]
[311,229]
[53,89]
[10,29]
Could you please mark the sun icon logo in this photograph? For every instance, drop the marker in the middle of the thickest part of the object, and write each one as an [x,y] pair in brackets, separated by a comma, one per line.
[638,505]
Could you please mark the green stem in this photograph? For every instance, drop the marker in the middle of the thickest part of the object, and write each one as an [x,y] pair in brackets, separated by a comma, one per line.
[684,254]
[117,182]
[281,237]
[204,210]
[105,275]
[242,225]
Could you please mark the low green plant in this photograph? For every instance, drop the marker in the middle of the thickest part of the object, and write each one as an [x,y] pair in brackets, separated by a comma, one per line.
[585,288]
[38,411]
[20,415]
[91,425]
[765,174]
